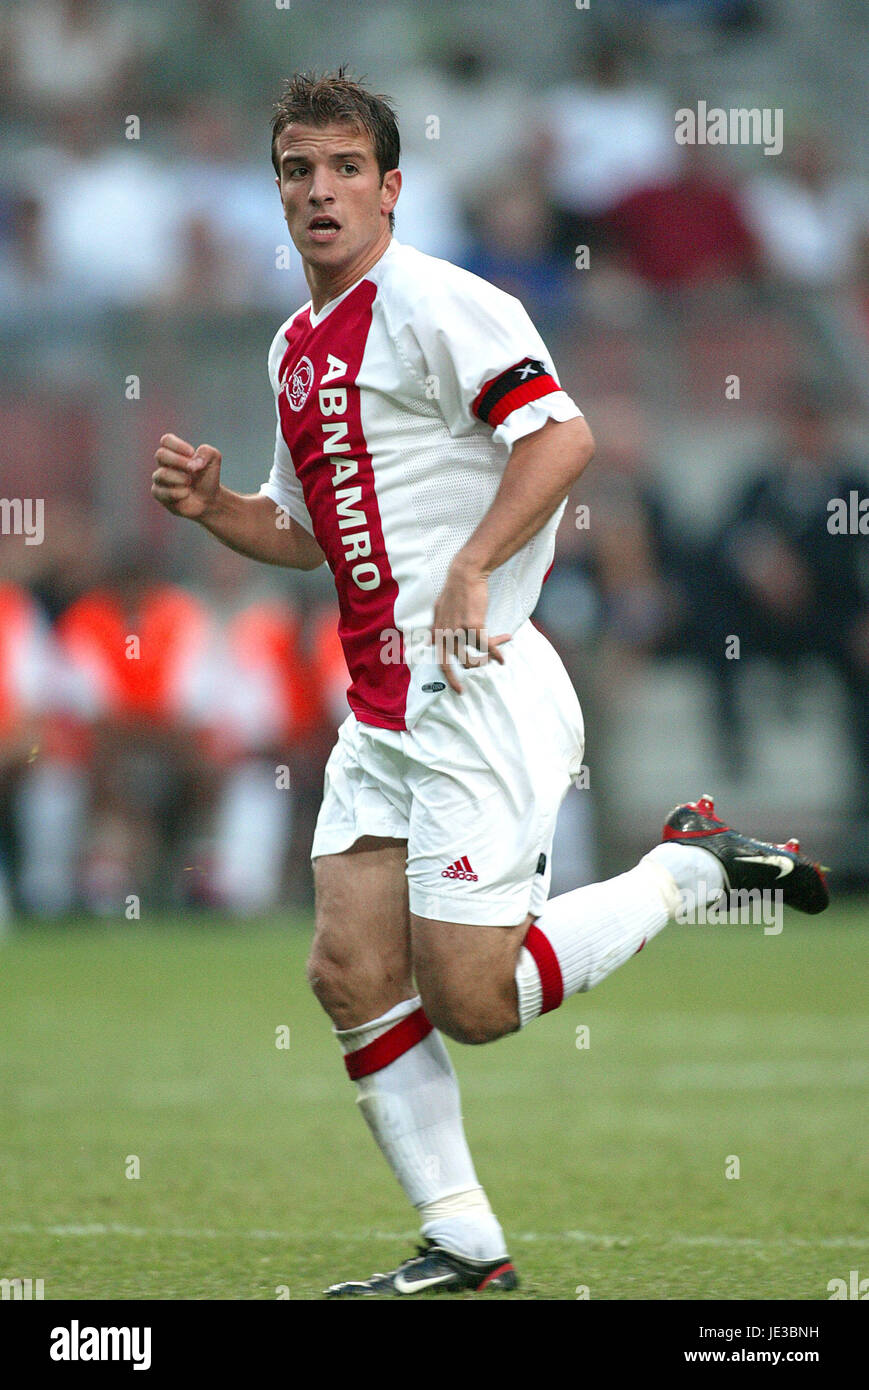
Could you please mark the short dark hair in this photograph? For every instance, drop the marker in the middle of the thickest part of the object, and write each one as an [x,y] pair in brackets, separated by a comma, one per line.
[329,98]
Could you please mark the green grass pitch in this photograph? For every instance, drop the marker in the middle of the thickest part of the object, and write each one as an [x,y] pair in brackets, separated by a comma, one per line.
[606,1163]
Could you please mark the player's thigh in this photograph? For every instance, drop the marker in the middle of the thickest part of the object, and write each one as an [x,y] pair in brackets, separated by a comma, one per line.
[488,773]
[360,958]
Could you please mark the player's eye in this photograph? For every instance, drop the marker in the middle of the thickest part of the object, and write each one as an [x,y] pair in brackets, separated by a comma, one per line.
[353,168]
[296,170]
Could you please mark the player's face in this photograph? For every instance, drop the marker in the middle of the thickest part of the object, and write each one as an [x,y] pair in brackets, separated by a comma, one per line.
[336,207]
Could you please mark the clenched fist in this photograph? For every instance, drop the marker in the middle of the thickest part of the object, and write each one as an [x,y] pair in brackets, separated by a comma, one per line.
[186,480]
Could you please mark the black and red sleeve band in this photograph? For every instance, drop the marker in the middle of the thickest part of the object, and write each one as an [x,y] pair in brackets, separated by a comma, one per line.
[519,385]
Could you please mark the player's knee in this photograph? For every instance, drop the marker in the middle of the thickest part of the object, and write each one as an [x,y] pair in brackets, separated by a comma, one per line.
[331,983]
[354,992]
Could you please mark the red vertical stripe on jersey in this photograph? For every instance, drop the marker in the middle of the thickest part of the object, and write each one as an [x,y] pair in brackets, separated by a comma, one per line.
[551,981]
[326,442]
[388,1047]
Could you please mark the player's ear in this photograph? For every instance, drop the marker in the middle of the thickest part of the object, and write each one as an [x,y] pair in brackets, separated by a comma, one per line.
[390,189]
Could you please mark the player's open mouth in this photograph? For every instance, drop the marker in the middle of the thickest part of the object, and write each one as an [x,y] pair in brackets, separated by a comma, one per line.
[324,228]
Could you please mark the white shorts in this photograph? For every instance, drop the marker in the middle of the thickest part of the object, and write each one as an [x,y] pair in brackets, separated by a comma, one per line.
[474,787]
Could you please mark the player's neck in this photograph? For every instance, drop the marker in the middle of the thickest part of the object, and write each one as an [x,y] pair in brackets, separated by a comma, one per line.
[326,282]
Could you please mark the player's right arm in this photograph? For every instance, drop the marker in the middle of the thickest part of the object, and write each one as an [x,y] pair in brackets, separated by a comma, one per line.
[187,483]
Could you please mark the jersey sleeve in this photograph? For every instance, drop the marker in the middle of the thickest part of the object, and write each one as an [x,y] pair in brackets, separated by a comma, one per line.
[282,484]
[486,360]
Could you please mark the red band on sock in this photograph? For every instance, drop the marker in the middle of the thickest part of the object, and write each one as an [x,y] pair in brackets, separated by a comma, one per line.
[551,980]
[390,1045]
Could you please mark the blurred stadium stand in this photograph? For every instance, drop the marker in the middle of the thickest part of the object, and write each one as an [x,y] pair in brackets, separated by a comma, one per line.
[140,291]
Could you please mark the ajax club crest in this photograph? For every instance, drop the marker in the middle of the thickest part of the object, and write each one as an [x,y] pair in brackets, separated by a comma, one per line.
[299,383]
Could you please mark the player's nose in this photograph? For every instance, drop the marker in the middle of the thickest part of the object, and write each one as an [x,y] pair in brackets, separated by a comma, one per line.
[321,190]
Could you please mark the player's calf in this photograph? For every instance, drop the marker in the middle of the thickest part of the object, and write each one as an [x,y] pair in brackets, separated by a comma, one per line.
[470,1020]
[466,977]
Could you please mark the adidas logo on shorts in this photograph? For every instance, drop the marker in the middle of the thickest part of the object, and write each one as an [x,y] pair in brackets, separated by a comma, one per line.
[461,869]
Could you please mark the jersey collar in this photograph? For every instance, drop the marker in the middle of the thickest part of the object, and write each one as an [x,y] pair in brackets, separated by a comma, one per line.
[330,304]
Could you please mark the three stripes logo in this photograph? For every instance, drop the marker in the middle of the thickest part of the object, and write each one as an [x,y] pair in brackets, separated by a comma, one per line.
[461,869]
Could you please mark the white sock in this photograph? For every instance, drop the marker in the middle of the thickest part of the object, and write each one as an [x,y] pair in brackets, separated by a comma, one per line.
[583,936]
[408,1092]
[696,871]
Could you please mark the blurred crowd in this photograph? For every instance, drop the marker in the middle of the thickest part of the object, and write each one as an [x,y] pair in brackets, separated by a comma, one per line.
[158,743]
[126,184]
[164,722]
[774,572]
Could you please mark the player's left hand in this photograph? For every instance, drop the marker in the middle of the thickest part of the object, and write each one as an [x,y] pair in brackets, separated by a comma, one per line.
[459,629]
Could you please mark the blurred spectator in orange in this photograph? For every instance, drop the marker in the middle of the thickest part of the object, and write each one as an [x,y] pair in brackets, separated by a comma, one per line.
[43,788]
[22,670]
[137,647]
[46,791]
[329,667]
[269,708]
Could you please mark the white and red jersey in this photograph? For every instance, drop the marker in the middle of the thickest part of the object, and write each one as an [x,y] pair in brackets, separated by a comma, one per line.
[398,405]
